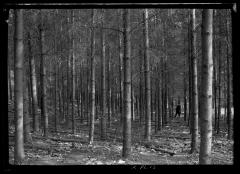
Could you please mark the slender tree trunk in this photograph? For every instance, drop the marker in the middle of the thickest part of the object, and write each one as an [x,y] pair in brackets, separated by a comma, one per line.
[132,96]
[140,87]
[161,88]
[88,92]
[68,74]
[33,89]
[63,99]
[229,120]
[9,79]
[18,86]
[78,93]
[151,95]
[219,70]
[194,141]
[225,96]
[26,100]
[206,88]
[156,104]
[120,69]
[147,77]
[127,85]
[165,100]
[133,103]
[61,82]
[172,106]
[190,74]
[92,118]
[103,102]
[60,102]
[162,91]
[56,78]
[169,103]
[112,94]
[73,71]
[185,85]
[185,98]
[215,76]
[164,77]
[82,93]
[29,98]
[55,98]
[67,94]
[159,103]
[42,78]
[109,89]
[26,121]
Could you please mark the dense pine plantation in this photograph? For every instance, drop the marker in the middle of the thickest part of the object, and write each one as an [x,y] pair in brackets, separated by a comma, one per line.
[120,86]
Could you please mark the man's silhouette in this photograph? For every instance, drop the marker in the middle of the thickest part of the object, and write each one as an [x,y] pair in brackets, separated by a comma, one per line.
[178,110]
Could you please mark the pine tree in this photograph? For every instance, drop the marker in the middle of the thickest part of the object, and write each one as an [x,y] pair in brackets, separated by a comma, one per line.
[194,120]
[92,118]
[147,77]
[205,113]
[42,76]
[18,87]
[127,85]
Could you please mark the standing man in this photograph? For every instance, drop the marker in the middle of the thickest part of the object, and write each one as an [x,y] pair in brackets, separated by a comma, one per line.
[178,109]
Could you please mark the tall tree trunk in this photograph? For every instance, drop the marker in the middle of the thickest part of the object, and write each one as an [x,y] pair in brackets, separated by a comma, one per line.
[103,102]
[26,121]
[109,88]
[219,70]
[165,90]
[18,86]
[120,69]
[185,96]
[60,102]
[206,88]
[159,102]
[161,120]
[147,77]
[132,95]
[29,99]
[78,92]
[190,74]
[82,92]
[151,95]
[215,75]
[127,85]
[156,102]
[92,118]
[132,103]
[185,84]
[33,89]
[26,100]
[67,94]
[229,120]
[164,77]
[87,91]
[194,89]
[73,70]
[68,69]
[42,78]
[9,79]
[63,99]
[140,86]
[61,81]
[56,77]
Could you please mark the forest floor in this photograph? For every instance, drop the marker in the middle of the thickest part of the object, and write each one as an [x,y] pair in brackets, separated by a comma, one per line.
[171,145]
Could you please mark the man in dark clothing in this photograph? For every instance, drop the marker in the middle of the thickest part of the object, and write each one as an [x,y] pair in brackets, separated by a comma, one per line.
[178,110]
